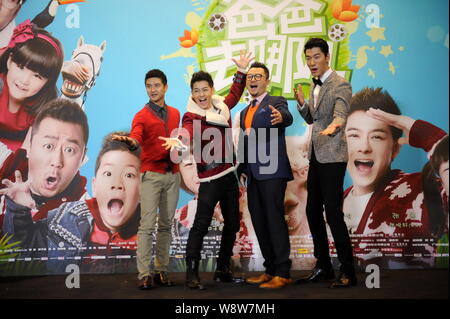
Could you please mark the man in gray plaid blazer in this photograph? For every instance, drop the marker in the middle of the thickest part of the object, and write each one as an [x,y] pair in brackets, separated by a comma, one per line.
[326,111]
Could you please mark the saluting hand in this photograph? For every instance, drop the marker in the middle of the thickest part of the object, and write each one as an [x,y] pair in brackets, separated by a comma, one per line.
[401,122]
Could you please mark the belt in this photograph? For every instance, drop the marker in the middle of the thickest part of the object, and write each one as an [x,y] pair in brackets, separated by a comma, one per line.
[201,168]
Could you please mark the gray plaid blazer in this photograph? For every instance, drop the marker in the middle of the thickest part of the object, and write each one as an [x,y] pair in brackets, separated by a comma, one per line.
[333,101]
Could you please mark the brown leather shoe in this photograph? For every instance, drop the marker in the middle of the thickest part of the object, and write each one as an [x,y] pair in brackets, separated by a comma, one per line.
[146,283]
[276,282]
[344,281]
[259,279]
[160,278]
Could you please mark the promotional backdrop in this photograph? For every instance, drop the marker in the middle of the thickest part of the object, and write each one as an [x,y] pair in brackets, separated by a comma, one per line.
[401,46]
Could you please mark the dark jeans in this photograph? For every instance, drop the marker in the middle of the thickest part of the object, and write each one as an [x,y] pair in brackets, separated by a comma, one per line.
[266,206]
[325,189]
[225,191]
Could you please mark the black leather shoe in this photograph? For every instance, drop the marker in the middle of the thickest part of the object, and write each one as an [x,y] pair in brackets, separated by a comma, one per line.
[146,283]
[194,284]
[192,277]
[226,276]
[161,279]
[344,280]
[316,275]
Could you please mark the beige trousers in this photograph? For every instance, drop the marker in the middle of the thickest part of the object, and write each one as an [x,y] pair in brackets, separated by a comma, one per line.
[159,197]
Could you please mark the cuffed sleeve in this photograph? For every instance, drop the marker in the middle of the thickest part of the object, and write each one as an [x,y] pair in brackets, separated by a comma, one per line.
[305,113]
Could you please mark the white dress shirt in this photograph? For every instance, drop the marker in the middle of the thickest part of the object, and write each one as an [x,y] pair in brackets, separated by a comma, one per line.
[318,87]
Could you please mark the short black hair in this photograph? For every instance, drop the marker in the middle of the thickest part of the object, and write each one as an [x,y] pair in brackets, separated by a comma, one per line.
[109,144]
[202,76]
[63,110]
[317,43]
[262,66]
[377,99]
[156,73]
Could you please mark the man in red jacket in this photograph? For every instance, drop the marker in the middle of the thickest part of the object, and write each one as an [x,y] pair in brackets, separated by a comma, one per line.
[160,181]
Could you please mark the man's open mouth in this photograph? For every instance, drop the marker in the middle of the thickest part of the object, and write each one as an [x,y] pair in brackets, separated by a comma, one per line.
[51,182]
[115,206]
[364,166]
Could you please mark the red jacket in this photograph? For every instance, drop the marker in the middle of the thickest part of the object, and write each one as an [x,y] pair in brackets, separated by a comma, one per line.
[146,128]
[225,143]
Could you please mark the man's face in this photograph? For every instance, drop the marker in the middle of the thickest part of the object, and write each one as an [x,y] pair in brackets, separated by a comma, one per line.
[317,61]
[202,94]
[256,82]
[8,10]
[156,90]
[22,82]
[116,187]
[443,174]
[371,150]
[56,153]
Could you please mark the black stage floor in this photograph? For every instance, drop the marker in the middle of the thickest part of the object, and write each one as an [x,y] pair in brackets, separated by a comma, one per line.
[394,284]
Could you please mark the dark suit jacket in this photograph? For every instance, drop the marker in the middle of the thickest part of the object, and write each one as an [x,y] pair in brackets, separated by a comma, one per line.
[263,152]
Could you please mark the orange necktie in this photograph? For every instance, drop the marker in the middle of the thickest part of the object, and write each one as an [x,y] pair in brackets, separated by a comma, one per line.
[249,116]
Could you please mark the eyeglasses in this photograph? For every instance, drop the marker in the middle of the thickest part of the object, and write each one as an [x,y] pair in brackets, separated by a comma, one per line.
[256,77]
[11,4]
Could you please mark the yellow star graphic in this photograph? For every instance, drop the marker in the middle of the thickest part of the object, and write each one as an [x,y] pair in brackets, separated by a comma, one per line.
[361,56]
[392,68]
[376,34]
[386,50]
[371,73]
[401,48]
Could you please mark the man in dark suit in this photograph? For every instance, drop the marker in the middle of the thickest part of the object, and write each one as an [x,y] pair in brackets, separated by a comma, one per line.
[267,170]
[326,111]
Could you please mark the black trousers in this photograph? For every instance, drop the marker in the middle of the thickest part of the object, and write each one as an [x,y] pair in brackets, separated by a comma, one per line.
[266,206]
[325,189]
[225,191]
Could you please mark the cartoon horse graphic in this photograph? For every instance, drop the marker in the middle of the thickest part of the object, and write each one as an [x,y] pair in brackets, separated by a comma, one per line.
[81,71]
